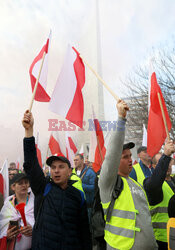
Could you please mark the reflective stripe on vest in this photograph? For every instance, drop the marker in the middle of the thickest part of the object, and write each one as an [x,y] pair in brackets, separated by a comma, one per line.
[159,214]
[120,231]
[139,173]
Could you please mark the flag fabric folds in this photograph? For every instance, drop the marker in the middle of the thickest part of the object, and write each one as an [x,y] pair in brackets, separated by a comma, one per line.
[97,148]
[38,151]
[67,99]
[71,149]
[5,178]
[156,133]
[56,146]
[41,94]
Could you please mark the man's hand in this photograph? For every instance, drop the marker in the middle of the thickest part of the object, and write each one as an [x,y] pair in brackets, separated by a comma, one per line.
[27,123]
[27,230]
[169,148]
[122,108]
[12,232]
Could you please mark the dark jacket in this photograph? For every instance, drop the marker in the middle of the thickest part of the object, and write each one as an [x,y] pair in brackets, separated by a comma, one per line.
[88,183]
[61,215]
[153,184]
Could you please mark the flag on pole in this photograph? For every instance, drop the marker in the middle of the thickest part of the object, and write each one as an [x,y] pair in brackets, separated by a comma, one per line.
[56,146]
[156,129]
[38,150]
[97,148]
[67,99]
[71,149]
[5,179]
[144,138]
[41,94]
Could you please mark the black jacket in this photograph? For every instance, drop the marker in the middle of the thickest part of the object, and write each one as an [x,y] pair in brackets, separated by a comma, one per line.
[61,215]
[153,184]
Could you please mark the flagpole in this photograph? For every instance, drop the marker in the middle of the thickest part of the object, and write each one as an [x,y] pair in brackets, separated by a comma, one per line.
[163,115]
[101,80]
[36,83]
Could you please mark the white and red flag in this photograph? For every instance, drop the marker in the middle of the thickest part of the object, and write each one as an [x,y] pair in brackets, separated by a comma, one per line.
[4,180]
[81,151]
[156,133]
[38,150]
[56,145]
[67,99]
[71,148]
[97,148]
[41,94]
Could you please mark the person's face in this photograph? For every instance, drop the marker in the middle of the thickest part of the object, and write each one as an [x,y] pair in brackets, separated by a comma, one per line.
[125,166]
[78,161]
[13,166]
[60,173]
[21,187]
[157,158]
[12,173]
[144,156]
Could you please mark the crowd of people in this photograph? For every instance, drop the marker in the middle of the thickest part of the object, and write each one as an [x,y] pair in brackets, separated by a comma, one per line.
[137,201]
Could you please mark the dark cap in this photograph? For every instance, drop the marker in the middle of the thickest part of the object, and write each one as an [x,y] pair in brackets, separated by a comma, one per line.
[57,158]
[17,177]
[140,149]
[128,145]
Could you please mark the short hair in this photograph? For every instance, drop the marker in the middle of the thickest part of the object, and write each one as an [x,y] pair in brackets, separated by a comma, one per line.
[12,163]
[81,156]
[154,161]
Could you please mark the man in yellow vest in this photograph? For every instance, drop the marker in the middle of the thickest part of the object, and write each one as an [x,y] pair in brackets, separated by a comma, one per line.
[159,188]
[127,216]
[142,169]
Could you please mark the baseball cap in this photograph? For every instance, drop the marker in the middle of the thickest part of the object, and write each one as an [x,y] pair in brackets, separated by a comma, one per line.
[57,158]
[128,145]
[17,177]
[140,149]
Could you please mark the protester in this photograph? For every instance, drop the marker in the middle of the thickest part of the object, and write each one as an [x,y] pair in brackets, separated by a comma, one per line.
[12,165]
[17,235]
[128,220]
[60,208]
[87,176]
[12,172]
[159,188]
[142,169]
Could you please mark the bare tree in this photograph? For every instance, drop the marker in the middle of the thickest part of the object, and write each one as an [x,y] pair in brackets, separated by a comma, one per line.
[137,93]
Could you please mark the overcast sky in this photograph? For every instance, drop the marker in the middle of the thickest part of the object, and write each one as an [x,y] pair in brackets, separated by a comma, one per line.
[129,30]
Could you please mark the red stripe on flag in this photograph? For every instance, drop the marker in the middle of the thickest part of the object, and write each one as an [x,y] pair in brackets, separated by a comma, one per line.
[76,110]
[72,145]
[1,184]
[156,129]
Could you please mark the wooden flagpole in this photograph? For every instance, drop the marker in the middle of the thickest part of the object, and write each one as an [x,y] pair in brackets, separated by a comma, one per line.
[36,83]
[101,80]
[163,115]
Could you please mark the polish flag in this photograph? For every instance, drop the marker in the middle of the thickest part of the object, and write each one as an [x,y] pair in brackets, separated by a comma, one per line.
[38,151]
[144,138]
[4,180]
[156,129]
[41,94]
[81,151]
[97,148]
[67,99]
[71,149]
[56,146]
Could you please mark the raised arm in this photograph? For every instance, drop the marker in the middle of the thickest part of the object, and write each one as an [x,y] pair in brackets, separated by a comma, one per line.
[109,171]
[154,183]
[31,165]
